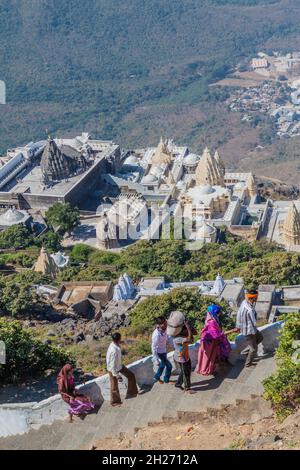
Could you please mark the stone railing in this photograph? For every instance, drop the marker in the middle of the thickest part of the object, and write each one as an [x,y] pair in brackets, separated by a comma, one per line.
[20,418]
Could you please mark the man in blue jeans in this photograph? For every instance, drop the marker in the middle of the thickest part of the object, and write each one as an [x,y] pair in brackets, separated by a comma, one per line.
[160,340]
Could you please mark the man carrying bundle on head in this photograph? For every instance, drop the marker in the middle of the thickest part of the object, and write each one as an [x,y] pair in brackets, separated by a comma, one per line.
[182,333]
[246,324]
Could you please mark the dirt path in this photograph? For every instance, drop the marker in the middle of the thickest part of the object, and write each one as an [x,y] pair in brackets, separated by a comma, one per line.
[266,434]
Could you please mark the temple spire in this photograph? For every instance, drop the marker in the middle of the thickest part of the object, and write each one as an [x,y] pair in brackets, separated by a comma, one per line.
[220,163]
[54,164]
[291,226]
[209,170]
[45,264]
[251,186]
[162,155]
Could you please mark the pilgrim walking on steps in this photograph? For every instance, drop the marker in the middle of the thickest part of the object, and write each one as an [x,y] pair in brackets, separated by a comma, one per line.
[79,404]
[182,334]
[214,345]
[115,368]
[160,341]
[246,320]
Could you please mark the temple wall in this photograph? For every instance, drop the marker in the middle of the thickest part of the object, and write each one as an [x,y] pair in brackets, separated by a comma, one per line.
[87,183]
[8,200]
[264,220]
[20,418]
[40,201]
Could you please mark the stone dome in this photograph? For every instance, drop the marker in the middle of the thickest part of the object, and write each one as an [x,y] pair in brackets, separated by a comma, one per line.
[205,230]
[13,217]
[60,260]
[150,179]
[132,160]
[205,189]
[191,159]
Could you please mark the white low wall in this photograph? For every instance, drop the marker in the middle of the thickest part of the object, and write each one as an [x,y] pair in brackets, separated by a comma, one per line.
[20,418]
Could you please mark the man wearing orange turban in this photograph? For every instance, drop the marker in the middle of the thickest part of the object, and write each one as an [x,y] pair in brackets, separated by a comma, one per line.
[246,320]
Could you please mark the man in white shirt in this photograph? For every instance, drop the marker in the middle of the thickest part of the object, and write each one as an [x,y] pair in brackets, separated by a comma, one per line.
[115,368]
[246,324]
[160,341]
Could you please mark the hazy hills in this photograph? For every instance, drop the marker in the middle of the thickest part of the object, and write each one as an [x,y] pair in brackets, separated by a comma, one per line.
[132,69]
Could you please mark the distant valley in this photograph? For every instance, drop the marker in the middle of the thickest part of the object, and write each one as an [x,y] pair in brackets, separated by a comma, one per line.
[143,69]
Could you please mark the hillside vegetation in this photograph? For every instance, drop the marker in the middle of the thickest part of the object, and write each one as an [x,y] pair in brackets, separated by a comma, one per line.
[130,69]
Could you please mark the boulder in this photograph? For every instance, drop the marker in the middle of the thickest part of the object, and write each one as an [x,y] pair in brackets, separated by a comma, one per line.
[78,338]
[51,333]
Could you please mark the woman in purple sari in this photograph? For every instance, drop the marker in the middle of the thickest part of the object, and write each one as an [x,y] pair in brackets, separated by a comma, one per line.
[79,404]
[214,345]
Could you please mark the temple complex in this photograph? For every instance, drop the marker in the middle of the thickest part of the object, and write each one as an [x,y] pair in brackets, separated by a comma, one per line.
[135,194]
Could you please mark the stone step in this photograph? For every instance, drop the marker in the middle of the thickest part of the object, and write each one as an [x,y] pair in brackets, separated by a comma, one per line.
[36,439]
[163,402]
[264,369]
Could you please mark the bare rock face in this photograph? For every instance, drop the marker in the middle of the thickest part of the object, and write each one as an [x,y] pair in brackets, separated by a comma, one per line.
[291,421]
[276,189]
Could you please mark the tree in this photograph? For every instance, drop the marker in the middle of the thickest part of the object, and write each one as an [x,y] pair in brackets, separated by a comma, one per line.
[62,217]
[17,295]
[80,253]
[99,257]
[26,357]
[17,236]
[274,268]
[16,298]
[51,241]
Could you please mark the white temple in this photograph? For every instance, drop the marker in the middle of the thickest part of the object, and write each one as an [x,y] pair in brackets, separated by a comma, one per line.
[218,286]
[125,289]
[60,259]
[14,216]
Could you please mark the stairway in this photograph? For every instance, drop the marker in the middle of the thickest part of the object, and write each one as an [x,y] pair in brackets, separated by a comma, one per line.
[162,403]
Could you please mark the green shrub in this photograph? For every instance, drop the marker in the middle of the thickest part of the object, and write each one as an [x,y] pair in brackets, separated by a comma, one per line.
[15,298]
[68,274]
[17,236]
[103,257]
[80,253]
[283,387]
[189,301]
[26,357]
[50,240]
[18,259]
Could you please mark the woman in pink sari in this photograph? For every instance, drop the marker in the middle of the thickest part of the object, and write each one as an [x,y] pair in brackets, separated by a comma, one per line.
[214,345]
[79,405]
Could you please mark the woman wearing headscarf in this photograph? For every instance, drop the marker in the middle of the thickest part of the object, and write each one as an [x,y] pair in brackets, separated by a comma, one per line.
[79,404]
[214,345]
